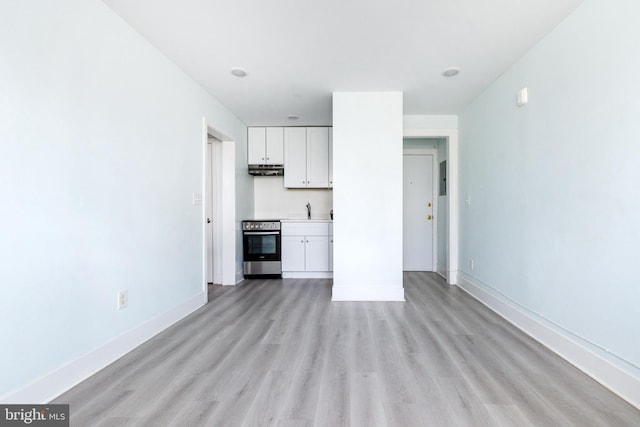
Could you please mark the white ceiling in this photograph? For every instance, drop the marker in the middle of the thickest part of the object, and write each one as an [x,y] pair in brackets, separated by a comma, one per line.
[297,52]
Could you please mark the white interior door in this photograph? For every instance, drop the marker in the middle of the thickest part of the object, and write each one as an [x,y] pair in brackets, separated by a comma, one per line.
[418,212]
[213,226]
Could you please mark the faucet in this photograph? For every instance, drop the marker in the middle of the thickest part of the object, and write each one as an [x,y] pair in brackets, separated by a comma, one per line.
[308,210]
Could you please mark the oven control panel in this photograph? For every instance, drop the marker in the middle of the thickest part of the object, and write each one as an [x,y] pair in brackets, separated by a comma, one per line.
[261,225]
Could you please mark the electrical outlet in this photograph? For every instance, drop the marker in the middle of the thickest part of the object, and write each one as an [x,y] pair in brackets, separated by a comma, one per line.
[523,97]
[123,299]
[471,264]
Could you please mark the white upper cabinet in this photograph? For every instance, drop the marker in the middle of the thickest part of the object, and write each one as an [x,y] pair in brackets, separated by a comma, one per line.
[330,157]
[318,157]
[306,160]
[295,157]
[275,146]
[256,147]
[265,146]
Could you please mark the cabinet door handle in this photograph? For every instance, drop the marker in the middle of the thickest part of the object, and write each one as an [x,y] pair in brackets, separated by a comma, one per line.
[301,241]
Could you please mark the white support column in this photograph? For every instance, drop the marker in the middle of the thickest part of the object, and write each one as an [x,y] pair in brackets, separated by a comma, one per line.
[367,196]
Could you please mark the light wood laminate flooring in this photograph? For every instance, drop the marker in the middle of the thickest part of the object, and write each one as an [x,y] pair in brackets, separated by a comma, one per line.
[279,353]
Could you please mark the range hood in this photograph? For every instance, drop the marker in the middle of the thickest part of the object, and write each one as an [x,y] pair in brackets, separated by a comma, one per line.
[266,170]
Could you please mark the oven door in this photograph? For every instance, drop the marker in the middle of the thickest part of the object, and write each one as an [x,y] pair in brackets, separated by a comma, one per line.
[261,245]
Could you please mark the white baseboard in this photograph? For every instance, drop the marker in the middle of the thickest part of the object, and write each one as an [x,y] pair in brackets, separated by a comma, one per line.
[239,276]
[452,277]
[53,384]
[615,378]
[366,294]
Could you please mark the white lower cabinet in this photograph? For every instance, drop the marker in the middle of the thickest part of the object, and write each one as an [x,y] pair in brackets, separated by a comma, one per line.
[317,253]
[293,253]
[330,253]
[306,249]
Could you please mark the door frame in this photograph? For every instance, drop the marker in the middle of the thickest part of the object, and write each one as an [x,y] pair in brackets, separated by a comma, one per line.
[451,138]
[226,209]
[433,152]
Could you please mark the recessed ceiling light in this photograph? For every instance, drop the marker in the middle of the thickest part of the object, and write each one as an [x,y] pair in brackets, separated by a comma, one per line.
[292,117]
[238,72]
[450,72]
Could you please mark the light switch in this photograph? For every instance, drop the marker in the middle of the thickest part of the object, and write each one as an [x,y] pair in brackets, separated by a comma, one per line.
[523,97]
[197,199]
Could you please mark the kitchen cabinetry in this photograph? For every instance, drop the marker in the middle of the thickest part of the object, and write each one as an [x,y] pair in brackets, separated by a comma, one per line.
[306,157]
[331,246]
[295,157]
[305,249]
[265,145]
[305,253]
[331,157]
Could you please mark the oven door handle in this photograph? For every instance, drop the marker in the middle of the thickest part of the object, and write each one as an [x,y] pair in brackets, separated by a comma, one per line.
[261,233]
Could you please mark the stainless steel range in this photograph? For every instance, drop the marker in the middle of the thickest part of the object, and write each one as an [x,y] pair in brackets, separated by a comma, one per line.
[261,248]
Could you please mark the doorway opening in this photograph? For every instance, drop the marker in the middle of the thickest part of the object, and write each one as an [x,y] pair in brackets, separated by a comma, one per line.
[420,206]
[445,214]
[219,231]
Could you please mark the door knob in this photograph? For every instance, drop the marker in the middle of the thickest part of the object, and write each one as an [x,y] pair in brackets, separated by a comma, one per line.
[208,220]
[428,216]
[428,205]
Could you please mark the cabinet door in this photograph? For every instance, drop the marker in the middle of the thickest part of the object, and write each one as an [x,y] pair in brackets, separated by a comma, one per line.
[330,157]
[295,157]
[256,138]
[318,157]
[292,253]
[275,146]
[317,253]
[330,253]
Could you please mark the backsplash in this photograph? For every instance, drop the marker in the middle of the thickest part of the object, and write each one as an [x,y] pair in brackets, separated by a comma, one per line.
[273,201]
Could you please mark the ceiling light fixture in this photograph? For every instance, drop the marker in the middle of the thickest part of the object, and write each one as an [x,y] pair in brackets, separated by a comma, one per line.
[292,117]
[239,72]
[450,72]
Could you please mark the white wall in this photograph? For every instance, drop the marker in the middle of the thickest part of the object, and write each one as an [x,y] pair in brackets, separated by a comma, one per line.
[274,201]
[553,222]
[414,121]
[102,145]
[367,196]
